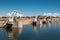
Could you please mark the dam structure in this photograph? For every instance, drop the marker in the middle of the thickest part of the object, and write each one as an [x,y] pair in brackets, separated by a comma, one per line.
[15,19]
[12,20]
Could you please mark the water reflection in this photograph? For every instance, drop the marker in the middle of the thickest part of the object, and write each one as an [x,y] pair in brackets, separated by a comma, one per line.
[13,32]
[45,26]
[39,32]
[36,27]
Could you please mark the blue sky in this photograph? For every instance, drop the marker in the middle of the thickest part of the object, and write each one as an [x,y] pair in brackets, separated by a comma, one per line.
[29,7]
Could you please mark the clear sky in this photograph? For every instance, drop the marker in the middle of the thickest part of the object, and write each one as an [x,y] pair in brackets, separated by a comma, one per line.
[29,7]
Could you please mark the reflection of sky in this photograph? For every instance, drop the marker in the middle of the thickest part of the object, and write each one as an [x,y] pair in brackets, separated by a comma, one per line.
[29,7]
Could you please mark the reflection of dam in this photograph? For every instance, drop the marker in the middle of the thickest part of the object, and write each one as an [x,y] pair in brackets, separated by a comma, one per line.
[12,33]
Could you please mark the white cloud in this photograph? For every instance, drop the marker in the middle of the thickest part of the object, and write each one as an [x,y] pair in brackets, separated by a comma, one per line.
[18,14]
[0,15]
[51,14]
[47,14]
[8,14]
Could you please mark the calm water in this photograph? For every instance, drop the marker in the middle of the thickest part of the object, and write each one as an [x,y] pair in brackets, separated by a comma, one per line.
[49,31]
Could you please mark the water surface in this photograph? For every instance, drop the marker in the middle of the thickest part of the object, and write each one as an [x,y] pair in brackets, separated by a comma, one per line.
[49,31]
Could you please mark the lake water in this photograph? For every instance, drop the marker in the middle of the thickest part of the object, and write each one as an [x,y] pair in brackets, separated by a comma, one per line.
[49,31]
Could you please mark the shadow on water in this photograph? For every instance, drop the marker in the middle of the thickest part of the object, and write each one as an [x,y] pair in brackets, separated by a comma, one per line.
[12,32]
